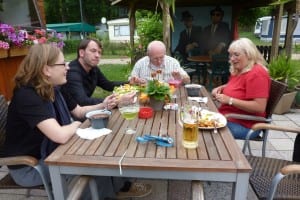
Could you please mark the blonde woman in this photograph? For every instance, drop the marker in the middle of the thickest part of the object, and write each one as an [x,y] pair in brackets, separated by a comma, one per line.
[247,90]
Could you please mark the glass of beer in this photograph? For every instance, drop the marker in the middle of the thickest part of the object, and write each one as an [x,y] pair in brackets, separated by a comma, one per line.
[188,117]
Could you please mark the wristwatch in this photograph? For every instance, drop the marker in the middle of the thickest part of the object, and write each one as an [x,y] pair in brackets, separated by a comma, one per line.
[230,101]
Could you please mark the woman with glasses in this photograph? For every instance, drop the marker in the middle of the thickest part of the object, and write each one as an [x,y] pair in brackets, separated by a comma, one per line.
[247,90]
[39,117]
[216,36]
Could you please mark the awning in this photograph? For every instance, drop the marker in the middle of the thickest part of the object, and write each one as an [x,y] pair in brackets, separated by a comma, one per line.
[72,27]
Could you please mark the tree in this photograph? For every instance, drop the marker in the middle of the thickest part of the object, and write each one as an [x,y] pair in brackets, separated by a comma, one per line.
[149,26]
[248,17]
[58,11]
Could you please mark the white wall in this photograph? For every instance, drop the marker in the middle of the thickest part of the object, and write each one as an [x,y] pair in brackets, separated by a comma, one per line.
[119,30]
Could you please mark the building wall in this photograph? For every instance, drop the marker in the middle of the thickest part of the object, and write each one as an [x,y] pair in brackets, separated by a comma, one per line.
[119,31]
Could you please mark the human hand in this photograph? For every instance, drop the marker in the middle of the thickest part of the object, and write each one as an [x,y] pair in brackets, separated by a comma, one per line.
[222,98]
[176,75]
[128,97]
[189,47]
[110,102]
[217,90]
[195,44]
[136,80]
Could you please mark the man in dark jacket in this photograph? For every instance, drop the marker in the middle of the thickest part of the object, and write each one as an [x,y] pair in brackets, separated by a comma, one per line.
[84,74]
[216,36]
[189,39]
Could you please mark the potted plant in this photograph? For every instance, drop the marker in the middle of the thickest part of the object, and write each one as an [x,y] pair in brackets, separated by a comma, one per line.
[281,69]
[157,91]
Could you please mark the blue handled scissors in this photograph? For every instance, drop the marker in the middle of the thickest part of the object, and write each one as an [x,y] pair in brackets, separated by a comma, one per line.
[163,141]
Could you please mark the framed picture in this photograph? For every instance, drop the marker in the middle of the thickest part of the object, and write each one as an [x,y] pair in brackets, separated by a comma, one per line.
[201,18]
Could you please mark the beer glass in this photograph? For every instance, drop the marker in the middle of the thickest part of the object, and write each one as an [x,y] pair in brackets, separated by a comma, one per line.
[189,119]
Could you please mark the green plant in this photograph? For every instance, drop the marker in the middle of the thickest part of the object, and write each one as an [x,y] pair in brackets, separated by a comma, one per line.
[282,69]
[157,89]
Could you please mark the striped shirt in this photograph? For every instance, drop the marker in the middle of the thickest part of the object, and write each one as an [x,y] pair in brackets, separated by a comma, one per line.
[143,69]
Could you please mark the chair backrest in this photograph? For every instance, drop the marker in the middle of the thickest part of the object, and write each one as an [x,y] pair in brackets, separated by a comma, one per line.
[3,115]
[220,64]
[276,91]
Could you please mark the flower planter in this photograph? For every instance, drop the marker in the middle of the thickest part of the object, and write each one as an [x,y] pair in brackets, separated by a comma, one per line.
[8,69]
[14,51]
[285,103]
[3,53]
[157,105]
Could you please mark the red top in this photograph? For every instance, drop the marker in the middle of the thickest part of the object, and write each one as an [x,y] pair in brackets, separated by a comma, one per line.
[246,86]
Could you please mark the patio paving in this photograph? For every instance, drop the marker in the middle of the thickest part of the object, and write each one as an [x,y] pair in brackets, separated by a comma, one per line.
[280,145]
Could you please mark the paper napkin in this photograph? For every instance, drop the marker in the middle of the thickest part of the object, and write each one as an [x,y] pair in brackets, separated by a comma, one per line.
[198,99]
[91,133]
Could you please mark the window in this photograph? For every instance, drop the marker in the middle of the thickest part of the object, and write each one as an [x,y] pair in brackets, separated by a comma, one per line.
[121,30]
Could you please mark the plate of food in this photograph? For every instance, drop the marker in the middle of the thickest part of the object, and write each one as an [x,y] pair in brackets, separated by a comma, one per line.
[210,120]
[125,89]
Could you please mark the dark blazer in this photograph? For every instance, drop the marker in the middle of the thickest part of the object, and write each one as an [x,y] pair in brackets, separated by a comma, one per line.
[184,40]
[222,34]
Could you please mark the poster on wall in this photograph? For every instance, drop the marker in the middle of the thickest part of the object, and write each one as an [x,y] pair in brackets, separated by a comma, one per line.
[202,30]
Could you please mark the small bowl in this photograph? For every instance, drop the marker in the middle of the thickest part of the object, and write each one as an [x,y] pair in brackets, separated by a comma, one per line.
[98,118]
[193,90]
[145,112]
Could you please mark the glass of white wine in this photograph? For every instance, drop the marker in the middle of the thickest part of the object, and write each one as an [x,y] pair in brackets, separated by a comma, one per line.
[129,110]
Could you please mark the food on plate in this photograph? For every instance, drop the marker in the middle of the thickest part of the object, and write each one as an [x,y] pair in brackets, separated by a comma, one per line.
[125,89]
[210,119]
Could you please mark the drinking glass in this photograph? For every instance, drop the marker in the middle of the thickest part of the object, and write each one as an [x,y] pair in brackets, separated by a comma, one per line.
[129,110]
[174,85]
[189,119]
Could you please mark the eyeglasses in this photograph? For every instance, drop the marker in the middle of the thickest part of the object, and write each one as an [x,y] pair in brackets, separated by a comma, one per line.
[216,14]
[235,55]
[156,59]
[59,64]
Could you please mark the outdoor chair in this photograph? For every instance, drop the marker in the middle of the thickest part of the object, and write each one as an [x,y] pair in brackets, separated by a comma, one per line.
[219,69]
[77,185]
[273,178]
[276,91]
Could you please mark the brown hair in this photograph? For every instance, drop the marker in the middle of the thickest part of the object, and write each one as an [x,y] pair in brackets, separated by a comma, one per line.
[30,72]
[85,42]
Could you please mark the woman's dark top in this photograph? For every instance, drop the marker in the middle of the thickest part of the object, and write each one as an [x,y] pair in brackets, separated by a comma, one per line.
[25,111]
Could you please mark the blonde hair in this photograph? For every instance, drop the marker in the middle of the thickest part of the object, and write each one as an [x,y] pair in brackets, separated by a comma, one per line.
[249,48]
[30,72]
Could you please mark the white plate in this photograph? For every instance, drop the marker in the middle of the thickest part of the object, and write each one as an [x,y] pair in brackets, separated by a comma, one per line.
[210,116]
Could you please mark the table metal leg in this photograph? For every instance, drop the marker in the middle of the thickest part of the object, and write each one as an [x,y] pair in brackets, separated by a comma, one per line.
[59,185]
[240,188]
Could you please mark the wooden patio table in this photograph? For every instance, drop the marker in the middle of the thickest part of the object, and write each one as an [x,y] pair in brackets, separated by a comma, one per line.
[218,157]
[201,59]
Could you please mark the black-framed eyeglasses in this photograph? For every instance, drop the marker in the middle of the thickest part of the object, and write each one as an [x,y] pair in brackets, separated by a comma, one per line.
[216,14]
[59,64]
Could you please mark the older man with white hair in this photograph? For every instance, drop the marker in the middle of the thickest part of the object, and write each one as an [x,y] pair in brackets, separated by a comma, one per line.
[157,60]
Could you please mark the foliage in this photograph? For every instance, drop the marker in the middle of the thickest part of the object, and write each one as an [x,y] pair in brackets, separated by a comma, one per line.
[281,69]
[58,11]
[248,17]
[149,27]
[156,89]
[110,73]
[71,46]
